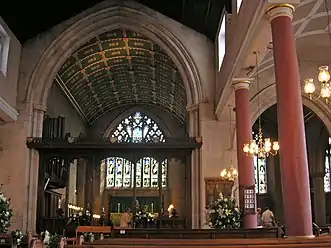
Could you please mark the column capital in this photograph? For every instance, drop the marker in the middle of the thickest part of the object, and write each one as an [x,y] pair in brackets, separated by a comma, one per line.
[277,10]
[241,84]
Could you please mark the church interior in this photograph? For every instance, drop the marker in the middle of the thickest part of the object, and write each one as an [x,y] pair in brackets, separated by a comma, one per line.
[163,109]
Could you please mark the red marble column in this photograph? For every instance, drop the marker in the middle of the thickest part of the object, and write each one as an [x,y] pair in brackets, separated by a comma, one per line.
[291,129]
[244,135]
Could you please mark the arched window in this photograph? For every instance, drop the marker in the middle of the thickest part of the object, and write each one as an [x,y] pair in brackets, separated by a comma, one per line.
[136,128]
[260,171]
[327,175]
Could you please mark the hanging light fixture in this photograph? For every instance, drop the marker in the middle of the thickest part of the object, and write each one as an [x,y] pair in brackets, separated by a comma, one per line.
[229,174]
[260,147]
[323,78]
[232,173]
[323,75]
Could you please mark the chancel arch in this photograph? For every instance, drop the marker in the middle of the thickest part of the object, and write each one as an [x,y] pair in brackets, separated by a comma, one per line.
[108,18]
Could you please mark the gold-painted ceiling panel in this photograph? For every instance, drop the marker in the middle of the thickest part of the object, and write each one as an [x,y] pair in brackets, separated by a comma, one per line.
[122,67]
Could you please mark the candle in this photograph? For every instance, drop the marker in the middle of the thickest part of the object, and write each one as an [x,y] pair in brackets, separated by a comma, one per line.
[152,206]
[118,207]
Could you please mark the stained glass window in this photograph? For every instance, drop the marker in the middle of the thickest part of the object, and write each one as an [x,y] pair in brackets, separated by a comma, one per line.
[136,128]
[260,171]
[327,175]
[120,173]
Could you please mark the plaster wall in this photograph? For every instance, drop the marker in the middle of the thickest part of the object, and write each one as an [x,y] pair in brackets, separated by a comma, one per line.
[9,69]
[59,105]
[218,150]
[240,33]
[14,167]
[9,77]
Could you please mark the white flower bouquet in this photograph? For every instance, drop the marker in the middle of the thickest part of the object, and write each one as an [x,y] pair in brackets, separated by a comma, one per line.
[223,213]
[17,237]
[6,213]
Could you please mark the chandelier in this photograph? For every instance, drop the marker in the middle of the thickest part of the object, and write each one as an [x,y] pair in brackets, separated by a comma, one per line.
[260,147]
[230,174]
[323,78]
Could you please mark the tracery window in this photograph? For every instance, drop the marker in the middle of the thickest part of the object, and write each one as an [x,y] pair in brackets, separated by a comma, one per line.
[327,175]
[260,172]
[136,128]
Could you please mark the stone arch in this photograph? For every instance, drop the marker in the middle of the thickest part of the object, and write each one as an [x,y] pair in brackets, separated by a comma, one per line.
[268,98]
[130,111]
[105,19]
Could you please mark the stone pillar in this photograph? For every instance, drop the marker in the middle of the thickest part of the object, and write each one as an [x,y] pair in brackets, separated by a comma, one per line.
[195,170]
[319,198]
[81,175]
[33,169]
[291,130]
[244,135]
[177,188]
[72,196]
[96,187]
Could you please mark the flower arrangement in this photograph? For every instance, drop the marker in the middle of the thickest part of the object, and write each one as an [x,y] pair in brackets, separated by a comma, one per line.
[223,213]
[82,218]
[143,215]
[51,241]
[17,237]
[6,213]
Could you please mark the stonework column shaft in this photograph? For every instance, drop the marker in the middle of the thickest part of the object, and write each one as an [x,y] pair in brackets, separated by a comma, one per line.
[291,130]
[195,170]
[81,181]
[32,173]
[244,135]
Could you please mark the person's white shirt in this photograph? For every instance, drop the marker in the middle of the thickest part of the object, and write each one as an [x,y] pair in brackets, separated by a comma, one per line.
[267,216]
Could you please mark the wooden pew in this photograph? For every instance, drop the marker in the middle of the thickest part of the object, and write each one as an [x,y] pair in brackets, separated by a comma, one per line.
[325,230]
[197,233]
[91,229]
[320,242]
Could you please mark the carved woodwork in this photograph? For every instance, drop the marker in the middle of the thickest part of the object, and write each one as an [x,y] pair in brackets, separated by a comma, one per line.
[215,186]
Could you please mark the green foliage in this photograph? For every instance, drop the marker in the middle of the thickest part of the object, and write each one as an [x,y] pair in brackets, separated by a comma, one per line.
[82,218]
[6,213]
[223,213]
[54,241]
[17,237]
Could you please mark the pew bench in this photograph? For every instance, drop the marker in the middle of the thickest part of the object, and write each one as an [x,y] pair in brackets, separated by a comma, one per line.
[261,233]
[319,242]
[90,229]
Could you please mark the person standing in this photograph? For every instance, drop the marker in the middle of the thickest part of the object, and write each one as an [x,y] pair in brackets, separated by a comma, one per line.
[125,220]
[267,218]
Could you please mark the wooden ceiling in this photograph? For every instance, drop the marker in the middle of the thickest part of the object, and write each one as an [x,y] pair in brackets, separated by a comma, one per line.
[121,67]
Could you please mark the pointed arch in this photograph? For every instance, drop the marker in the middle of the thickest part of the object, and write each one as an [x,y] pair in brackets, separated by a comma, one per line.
[137,127]
[108,16]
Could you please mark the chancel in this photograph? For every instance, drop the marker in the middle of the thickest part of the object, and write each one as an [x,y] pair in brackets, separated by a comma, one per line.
[166,123]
